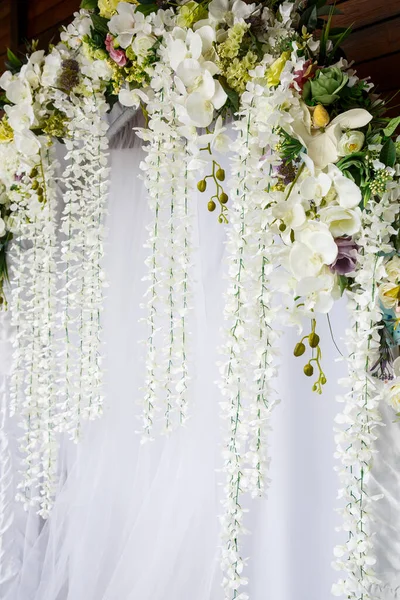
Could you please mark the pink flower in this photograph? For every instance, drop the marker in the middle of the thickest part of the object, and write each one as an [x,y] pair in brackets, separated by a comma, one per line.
[117,56]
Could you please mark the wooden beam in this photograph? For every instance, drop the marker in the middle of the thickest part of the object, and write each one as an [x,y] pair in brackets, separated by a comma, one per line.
[361,13]
[374,41]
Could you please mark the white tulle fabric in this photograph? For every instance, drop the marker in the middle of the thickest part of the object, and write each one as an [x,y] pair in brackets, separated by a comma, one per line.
[136,521]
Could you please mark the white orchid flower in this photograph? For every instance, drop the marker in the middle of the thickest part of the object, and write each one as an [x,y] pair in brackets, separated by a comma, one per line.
[191,44]
[132,98]
[203,93]
[218,140]
[27,143]
[20,116]
[314,247]
[348,193]
[19,92]
[226,11]
[291,212]
[6,79]
[315,188]
[126,23]
[341,221]
[318,292]
[323,144]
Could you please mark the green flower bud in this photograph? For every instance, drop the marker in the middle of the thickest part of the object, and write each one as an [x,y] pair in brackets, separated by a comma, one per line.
[202,185]
[308,370]
[323,379]
[35,185]
[299,349]
[313,340]
[211,206]
[223,198]
[220,174]
[282,227]
[33,173]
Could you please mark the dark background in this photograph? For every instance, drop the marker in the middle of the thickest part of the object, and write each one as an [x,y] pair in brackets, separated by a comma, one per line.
[374,44]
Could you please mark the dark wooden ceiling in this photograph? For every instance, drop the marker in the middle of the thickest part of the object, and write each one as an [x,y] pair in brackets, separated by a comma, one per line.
[374,44]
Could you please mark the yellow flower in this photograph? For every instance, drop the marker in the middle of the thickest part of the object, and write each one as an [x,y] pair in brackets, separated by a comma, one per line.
[6,131]
[321,116]
[389,294]
[109,7]
[275,70]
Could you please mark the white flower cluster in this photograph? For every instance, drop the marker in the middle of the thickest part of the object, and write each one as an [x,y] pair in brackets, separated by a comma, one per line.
[86,182]
[250,341]
[169,185]
[360,417]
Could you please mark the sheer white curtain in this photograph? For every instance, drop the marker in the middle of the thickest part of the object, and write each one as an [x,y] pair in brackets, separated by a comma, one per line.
[139,521]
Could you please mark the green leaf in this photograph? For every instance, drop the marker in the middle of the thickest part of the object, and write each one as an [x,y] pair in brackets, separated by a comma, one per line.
[89,4]
[391,127]
[343,283]
[146,9]
[388,153]
[100,24]
[13,60]
[146,2]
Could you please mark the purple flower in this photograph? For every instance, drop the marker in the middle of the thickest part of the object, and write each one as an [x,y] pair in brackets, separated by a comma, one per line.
[346,259]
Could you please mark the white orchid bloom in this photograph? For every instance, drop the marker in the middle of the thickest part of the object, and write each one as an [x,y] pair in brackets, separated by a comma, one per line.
[6,79]
[203,93]
[20,117]
[316,188]
[348,193]
[132,98]
[218,140]
[323,144]
[318,292]
[19,92]
[291,212]
[226,11]
[341,221]
[126,23]
[27,143]
[314,247]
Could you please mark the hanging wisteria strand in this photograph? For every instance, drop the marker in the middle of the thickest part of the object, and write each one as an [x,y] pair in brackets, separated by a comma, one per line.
[8,559]
[360,417]
[168,298]
[81,294]
[34,313]
[249,339]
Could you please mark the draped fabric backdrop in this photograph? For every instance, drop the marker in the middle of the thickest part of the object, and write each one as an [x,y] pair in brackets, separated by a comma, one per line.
[141,521]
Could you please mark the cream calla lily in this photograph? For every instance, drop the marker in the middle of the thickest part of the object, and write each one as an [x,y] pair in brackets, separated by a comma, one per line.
[323,144]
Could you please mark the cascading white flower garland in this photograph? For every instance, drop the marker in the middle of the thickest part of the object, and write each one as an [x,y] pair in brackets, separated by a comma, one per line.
[168,298]
[360,416]
[249,339]
[85,179]
[34,316]
[8,562]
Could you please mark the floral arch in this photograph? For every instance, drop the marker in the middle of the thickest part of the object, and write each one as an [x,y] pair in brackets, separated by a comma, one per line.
[313,206]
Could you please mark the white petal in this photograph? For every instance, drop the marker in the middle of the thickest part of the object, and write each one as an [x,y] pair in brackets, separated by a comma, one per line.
[207,35]
[200,111]
[353,119]
[188,71]
[220,96]
[301,261]
[349,194]
[322,150]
